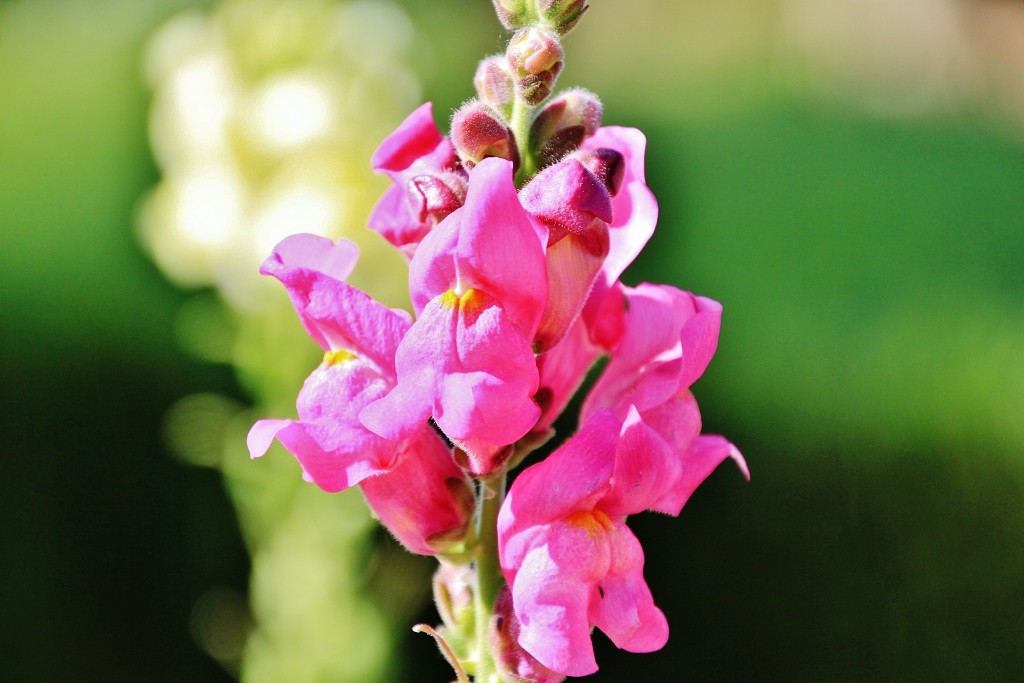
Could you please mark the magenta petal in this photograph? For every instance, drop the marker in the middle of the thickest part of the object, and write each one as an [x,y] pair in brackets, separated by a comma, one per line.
[424,499]
[414,138]
[336,315]
[501,246]
[261,436]
[393,219]
[432,270]
[699,338]
[644,466]
[567,198]
[552,606]
[312,252]
[571,479]
[634,206]
[625,609]
[704,455]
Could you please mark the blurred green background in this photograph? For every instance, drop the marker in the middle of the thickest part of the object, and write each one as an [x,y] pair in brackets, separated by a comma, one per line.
[846,178]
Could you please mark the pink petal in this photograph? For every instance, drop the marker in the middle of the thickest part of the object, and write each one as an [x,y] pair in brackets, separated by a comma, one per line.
[414,138]
[699,339]
[562,371]
[625,610]
[261,436]
[312,252]
[571,479]
[424,500]
[336,315]
[644,466]
[501,246]
[394,220]
[705,454]
[634,206]
[552,604]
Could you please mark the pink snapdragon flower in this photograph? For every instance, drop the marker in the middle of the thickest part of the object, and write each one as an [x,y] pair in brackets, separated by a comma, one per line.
[669,337]
[565,550]
[428,182]
[478,283]
[412,484]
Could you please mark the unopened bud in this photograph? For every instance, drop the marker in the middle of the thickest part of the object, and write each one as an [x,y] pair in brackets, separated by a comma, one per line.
[562,125]
[432,196]
[479,132]
[606,164]
[535,56]
[453,588]
[513,14]
[561,15]
[494,84]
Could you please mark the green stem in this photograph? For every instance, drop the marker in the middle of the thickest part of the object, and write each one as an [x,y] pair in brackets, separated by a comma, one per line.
[519,122]
[489,579]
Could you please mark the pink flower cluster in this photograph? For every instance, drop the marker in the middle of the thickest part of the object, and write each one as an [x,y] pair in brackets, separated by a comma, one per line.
[516,295]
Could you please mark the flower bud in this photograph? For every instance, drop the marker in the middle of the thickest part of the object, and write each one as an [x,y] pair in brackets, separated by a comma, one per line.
[561,15]
[513,14]
[453,597]
[494,84]
[479,132]
[606,164]
[535,56]
[432,196]
[562,125]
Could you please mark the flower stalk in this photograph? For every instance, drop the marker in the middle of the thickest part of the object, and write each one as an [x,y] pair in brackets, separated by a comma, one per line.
[515,252]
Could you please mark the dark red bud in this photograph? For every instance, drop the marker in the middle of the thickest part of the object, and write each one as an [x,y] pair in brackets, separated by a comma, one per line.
[562,125]
[479,132]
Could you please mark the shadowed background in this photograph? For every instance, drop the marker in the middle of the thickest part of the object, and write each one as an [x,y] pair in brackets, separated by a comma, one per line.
[846,178]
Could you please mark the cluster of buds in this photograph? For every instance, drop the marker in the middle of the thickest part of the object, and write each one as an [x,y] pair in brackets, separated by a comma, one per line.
[517,228]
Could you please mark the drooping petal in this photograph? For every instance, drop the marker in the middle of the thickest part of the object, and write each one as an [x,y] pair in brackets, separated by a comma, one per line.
[625,609]
[552,594]
[668,339]
[704,455]
[424,499]
[334,449]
